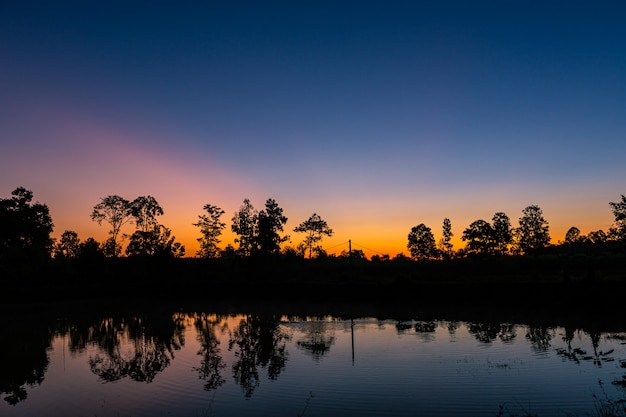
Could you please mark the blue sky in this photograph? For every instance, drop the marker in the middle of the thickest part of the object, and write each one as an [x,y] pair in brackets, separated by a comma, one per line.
[376,115]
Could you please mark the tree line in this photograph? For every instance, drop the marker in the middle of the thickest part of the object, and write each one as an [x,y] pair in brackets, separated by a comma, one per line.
[26,228]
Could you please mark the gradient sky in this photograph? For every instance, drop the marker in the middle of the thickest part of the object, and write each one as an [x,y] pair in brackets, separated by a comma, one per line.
[377,115]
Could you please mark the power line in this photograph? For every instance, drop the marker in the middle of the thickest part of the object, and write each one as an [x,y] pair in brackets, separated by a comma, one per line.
[339,244]
[364,247]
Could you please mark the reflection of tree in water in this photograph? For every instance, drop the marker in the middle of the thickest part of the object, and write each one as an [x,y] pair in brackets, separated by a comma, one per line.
[317,340]
[425,326]
[212,362]
[484,332]
[539,338]
[403,326]
[577,354]
[488,332]
[152,342]
[24,359]
[507,333]
[259,342]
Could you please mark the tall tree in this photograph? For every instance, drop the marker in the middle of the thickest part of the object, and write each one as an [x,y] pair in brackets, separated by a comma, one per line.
[422,242]
[145,211]
[315,229]
[270,223]
[25,227]
[245,227]
[502,233]
[619,211]
[211,228]
[445,247]
[533,231]
[116,211]
[480,238]
[151,238]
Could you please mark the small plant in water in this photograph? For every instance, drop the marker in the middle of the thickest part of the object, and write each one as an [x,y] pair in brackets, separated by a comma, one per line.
[606,407]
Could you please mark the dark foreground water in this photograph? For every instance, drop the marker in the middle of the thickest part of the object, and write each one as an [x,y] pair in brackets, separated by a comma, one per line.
[156,361]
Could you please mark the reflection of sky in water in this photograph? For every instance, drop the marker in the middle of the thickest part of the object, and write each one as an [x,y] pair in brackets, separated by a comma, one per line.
[364,367]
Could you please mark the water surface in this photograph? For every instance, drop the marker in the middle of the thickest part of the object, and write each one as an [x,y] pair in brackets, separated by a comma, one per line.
[204,363]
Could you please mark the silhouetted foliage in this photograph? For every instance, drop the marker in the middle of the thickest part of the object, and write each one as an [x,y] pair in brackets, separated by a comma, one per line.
[157,242]
[145,211]
[116,211]
[533,231]
[211,228]
[259,231]
[245,227]
[90,249]
[483,238]
[151,238]
[270,222]
[480,238]
[573,235]
[619,211]
[68,246]
[25,230]
[445,247]
[597,236]
[422,243]
[354,254]
[315,229]
[502,233]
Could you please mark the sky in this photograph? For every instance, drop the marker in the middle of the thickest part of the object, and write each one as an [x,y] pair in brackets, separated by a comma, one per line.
[376,115]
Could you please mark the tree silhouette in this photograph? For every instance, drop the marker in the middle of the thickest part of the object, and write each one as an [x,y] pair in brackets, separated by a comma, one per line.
[480,238]
[619,211]
[502,233]
[445,247]
[68,246]
[597,236]
[211,228]
[573,235]
[245,226]
[270,222]
[422,242]
[315,229]
[156,242]
[25,229]
[145,211]
[533,231]
[116,211]
[151,238]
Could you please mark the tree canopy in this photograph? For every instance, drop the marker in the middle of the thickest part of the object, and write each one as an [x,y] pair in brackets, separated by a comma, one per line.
[422,243]
[25,227]
[315,229]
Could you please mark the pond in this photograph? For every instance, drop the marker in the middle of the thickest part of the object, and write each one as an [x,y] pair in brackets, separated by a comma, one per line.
[205,361]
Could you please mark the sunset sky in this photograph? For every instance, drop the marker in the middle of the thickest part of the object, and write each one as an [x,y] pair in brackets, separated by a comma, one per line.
[377,115]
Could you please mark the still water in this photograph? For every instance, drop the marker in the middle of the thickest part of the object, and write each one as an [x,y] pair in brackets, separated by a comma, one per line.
[206,363]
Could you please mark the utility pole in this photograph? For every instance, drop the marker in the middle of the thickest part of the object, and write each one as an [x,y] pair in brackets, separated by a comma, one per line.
[350,251]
